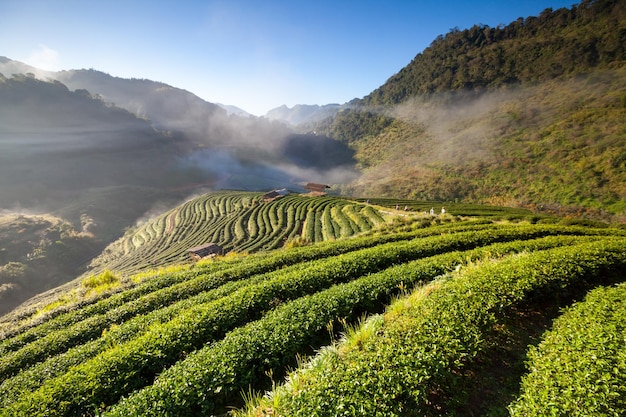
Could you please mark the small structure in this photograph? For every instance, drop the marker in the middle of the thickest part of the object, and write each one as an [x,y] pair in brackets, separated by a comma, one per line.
[275,194]
[204,251]
[271,196]
[319,189]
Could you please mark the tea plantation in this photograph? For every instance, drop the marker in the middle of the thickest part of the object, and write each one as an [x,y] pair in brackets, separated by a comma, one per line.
[377,312]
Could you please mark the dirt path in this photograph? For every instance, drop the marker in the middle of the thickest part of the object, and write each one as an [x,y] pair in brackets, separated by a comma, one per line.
[170,222]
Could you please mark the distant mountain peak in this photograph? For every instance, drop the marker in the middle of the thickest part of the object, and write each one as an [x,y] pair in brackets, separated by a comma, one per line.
[237,111]
[303,113]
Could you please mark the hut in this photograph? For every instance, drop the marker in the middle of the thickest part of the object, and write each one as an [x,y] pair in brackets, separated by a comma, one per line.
[275,194]
[316,188]
[271,196]
[204,251]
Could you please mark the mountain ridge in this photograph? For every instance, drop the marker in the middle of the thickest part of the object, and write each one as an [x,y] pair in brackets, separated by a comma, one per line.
[303,114]
[434,131]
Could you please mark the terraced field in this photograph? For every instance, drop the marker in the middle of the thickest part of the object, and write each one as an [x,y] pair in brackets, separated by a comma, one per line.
[236,221]
[204,340]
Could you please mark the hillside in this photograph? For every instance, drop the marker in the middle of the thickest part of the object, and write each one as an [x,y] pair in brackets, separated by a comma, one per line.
[242,223]
[231,147]
[240,152]
[556,146]
[439,283]
[38,253]
[62,147]
[195,339]
[589,35]
[75,154]
[509,115]
[246,222]
[91,167]
[239,222]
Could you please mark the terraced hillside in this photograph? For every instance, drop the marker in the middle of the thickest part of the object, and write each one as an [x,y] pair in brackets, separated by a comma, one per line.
[202,340]
[236,221]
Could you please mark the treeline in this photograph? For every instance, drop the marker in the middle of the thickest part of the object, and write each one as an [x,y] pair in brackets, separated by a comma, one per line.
[555,43]
[533,49]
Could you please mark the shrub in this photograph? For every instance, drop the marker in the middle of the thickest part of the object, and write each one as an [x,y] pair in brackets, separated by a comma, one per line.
[579,369]
[96,284]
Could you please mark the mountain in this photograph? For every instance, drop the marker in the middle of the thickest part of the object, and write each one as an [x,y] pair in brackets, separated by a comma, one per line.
[214,142]
[104,158]
[9,67]
[93,167]
[529,114]
[166,107]
[220,143]
[303,113]
[230,109]
[556,43]
[59,147]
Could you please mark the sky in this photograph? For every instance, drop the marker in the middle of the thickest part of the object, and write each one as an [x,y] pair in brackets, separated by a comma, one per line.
[253,54]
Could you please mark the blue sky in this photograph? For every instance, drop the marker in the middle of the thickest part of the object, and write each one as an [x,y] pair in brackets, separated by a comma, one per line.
[255,54]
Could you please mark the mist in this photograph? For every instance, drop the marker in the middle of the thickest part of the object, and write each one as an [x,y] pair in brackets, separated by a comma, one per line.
[444,140]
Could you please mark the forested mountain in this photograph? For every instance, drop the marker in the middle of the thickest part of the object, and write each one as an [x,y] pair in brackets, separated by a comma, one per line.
[559,42]
[528,114]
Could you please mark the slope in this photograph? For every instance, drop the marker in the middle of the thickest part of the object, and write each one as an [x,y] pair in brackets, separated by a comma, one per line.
[239,222]
[557,145]
[191,341]
[529,114]
[221,144]
[38,253]
[59,147]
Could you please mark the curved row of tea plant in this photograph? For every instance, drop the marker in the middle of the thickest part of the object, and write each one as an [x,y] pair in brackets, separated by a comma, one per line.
[237,221]
[124,361]
[414,363]
[218,272]
[337,268]
[580,366]
[212,378]
[197,325]
[83,324]
[61,347]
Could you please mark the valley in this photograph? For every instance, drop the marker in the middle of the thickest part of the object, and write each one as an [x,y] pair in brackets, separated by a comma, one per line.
[452,243]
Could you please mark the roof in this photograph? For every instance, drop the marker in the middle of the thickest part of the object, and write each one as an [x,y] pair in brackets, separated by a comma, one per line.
[271,194]
[315,186]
